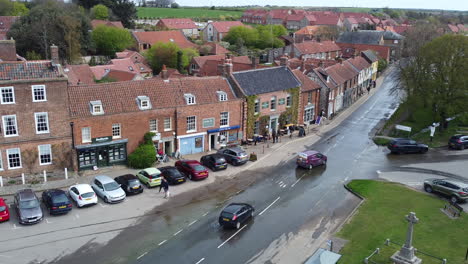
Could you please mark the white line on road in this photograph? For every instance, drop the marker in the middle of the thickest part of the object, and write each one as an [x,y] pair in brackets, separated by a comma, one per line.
[193,222]
[222,244]
[139,257]
[284,186]
[102,205]
[200,261]
[5,256]
[281,183]
[378,172]
[298,180]
[176,233]
[269,206]
[346,178]
[205,214]
[47,221]
[162,242]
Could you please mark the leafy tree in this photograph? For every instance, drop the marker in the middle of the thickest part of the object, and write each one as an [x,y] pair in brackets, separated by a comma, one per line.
[187,55]
[6,7]
[19,9]
[417,36]
[144,156]
[125,11]
[248,35]
[100,12]
[167,53]
[110,40]
[174,5]
[12,8]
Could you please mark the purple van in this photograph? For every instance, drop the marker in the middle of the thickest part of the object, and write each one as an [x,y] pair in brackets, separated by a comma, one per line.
[310,158]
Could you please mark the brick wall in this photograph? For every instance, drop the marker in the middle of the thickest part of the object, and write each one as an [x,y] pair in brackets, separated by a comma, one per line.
[382,51]
[314,99]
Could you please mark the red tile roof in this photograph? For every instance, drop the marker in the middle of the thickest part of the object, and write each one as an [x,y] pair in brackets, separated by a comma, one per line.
[224,26]
[176,36]
[177,23]
[295,17]
[352,20]
[201,60]
[359,62]
[80,74]
[325,18]
[341,72]
[312,47]
[307,84]
[27,70]
[217,49]
[126,65]
[119,97]
[120,76]
[97,22]
[5,24]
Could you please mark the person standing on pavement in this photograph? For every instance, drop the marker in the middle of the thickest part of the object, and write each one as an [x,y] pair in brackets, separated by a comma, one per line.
[368,89]
[164,185]
[273,135]
[432,129]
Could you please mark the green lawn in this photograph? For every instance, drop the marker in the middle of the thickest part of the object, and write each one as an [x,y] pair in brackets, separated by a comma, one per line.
[196,13]
[381,216]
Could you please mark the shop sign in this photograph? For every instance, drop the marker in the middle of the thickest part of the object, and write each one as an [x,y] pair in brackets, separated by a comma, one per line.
[101,139]
[156,137]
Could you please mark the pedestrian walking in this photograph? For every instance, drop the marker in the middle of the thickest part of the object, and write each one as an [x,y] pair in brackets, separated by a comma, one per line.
[165,186]
[432,129]
[368,89]
[277,136]
[273,135]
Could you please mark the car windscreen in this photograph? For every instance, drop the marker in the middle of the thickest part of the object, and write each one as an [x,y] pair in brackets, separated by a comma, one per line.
[226,215]
[87,195]
[198,167]
[155,176]
[111,186]
[60,198]
[172,173]
[133,183]
[29,204]
[2,208]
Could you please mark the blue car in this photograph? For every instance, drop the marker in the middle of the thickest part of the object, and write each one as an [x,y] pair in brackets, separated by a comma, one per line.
[56,201]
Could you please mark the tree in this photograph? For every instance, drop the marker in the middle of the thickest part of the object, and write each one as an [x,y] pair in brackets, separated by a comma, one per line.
[248,35]
[100,12]
[170,55]
[125,11]
[6,7]
[417,36]
[10,8]
[174,5]
[187,55]
[110,40]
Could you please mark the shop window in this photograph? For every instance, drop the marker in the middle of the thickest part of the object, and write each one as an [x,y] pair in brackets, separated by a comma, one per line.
[116,131]
[7,95]
[86,135]
[39,93]
[45,154]
[87,158]
[14,158]
[42,123]
[117,153]
[224,119]
[198,142]
[10,128]
[191,124]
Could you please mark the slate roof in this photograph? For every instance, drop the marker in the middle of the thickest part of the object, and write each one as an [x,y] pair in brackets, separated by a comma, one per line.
[178,23]
[120,97]
[224,26]
[361,37]
[266,80]
[97,22]
[370,55]
[28,70]
[176,36]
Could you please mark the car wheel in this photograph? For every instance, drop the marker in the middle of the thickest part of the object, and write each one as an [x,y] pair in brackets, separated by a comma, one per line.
[238,225]
[424,150]
[428,188]
[106,200]
[190,176]
[453,199]
[310,167]
[147,185]
[462,147]
[324,163]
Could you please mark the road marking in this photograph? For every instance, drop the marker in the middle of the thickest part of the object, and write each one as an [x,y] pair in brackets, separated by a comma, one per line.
[200,261]
[346,178]
[222,244]
[281,183]
[205,214]
[162,242]
[378,171]
[15,227]
[269,206]
[47,221]
[193,222]
[77,216]
[284,186]
[139,257]
[5,256]
[176,233]
[102,205]
[298,180]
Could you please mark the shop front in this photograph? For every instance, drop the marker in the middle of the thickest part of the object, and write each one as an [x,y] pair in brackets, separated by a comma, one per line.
[223,136]
[191,144]
[102,152]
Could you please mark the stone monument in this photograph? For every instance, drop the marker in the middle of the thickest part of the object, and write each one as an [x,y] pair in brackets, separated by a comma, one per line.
[406,254]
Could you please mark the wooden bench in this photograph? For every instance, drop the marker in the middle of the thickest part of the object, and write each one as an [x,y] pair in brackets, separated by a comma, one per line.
[454,209]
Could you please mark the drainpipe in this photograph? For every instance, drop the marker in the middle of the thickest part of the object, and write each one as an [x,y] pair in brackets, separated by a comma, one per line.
[176,145]
[72,134]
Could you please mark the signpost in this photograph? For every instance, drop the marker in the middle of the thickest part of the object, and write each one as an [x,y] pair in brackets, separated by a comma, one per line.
[403,128]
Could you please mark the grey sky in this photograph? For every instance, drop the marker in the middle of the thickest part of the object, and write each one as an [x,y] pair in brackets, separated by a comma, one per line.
[426,4]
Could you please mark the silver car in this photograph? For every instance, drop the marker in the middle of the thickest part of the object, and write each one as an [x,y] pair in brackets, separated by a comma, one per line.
[456,190]
[235,155]
[28,207]
[108,189]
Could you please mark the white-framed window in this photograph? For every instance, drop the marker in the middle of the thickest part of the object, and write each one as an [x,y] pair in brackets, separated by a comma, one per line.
[144,102]
[190,99]
[116,131]
[288,100]
[7,95]
[1,162]
[14,158]
[96,107]
[42,123]
[224,119]
[257,127]
[273,103]
[39,93]
[86,134]
[167,124]
[45,154]
[10,127]
[191,123]
[153,125]
[257,106]
[222,96]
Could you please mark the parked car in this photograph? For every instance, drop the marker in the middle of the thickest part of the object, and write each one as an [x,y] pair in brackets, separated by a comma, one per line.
[28,207]
[4,212]
[458,142]
[129,183]
[83,195]
[172,175]
[456,190]
[235,215]
[151,177]
[108,189]
[56,201]
[214,162]
[310,158]
[235,156]
[405,145]
[192,169]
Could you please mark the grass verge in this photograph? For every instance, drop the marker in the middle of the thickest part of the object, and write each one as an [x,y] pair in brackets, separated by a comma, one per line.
[198,13]
[381,141]
[381,216]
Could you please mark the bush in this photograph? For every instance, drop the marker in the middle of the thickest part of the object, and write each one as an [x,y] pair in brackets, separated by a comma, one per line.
[148,138]
[143,157]
[381,141]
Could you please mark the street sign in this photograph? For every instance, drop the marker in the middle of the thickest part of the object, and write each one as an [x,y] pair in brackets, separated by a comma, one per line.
[404,128]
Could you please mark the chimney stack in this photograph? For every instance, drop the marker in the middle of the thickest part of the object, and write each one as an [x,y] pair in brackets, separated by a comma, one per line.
[228,67]
[8,48]
[284,61]
[164,74]
[303,65]
[254,62]
[54,54]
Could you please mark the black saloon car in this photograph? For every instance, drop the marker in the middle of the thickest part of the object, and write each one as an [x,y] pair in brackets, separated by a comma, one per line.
[214,162]
[458,142]
[56,201]
[404,145]
[172,175]
[129,183]
[235,215]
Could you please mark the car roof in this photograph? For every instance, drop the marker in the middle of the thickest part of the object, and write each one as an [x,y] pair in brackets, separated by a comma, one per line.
[103,178]
[26,194]
[82,188]
[192,162]
[459,183]
[127,176]
[234,207]
[458,136]
[167,168]
[152,171]
[236,149]
[2,202]
[309,152]
[55,191]
[215,155]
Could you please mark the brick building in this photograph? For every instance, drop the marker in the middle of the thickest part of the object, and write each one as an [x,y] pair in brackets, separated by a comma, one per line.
[186,25]
[148,38]
[35,129]
[216,31]
[309,106]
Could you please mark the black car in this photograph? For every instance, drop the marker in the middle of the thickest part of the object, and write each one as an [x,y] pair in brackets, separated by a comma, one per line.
[214,162]
[129,183]
[458,142]
[56,201]
[172,175]
[404,145]
[235,214]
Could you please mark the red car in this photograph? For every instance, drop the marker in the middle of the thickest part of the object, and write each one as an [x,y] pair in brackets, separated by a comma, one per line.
[192,169]
[4,213]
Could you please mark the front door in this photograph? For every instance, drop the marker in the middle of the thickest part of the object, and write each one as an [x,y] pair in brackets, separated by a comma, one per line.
[168,148]
[103,157]
[212,141]
[274,124]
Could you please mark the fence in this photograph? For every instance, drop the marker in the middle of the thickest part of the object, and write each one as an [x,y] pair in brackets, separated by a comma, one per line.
[33,179]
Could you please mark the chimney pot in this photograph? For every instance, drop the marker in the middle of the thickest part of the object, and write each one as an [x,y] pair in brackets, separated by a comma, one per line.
[54,54]
[284,61]
[164,73]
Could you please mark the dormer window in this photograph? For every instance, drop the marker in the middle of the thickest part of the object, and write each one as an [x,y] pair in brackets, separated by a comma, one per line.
[190,99]
[96,107]
[143,102]
[222,96]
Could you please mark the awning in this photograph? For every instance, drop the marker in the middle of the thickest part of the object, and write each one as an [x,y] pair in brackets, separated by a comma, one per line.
[222,129]
[120,141]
